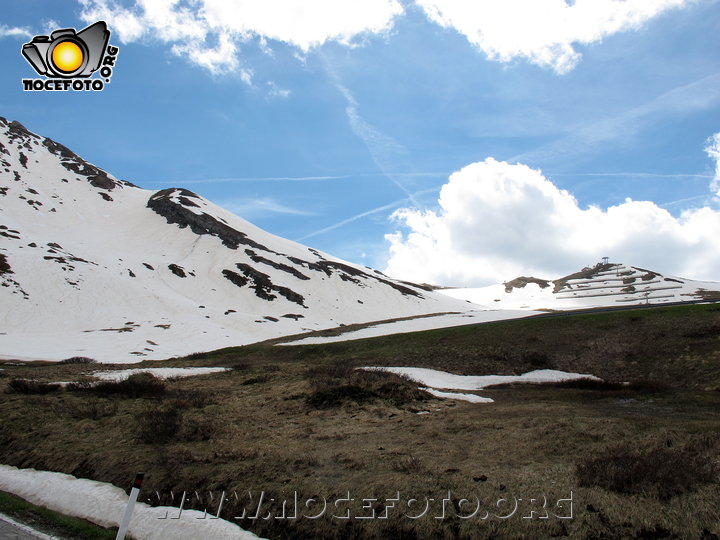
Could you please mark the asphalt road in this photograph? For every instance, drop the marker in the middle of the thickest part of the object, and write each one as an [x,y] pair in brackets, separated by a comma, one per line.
[12,530]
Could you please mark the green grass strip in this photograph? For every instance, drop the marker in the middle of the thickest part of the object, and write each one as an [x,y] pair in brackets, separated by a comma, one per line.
[51,522]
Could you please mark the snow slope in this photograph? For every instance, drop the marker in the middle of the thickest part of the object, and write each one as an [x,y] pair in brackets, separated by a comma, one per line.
[604,285]
[94,266]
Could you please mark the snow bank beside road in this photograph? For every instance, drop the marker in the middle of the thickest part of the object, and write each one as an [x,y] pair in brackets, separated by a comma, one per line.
[104,504]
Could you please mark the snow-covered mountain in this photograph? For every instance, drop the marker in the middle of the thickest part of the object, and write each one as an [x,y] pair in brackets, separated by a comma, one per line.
[95,266]
[603,285]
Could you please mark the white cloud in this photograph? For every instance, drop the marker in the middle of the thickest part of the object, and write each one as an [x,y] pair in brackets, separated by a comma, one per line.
[189,27]
[498,221]
[274,91]
[127,24]
[50,25]
[14,31]
[543,31]
[303,23]
[219,59]
[713,150]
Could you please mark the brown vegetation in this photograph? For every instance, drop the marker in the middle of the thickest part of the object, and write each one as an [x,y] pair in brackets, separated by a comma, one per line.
[640,459]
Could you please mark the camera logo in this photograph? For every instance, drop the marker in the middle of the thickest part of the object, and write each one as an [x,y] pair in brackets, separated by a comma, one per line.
[68,59]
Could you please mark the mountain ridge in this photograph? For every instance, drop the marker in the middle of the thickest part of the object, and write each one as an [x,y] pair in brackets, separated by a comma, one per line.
[91,265]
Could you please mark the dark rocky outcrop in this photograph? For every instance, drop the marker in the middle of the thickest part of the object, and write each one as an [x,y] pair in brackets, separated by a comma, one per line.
[174,212]
[18,133]
[351,274]
[520,282]
[235,278]
[309,265]
[262,284]
[187,202]
[179,271]
[276,265]
[74,163]
[4,265]
[172,204]
[345,271]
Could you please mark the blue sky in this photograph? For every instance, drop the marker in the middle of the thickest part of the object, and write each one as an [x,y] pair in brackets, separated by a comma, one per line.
[319,131]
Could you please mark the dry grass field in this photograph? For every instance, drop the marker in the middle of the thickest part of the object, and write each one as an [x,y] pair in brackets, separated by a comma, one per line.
[563,460]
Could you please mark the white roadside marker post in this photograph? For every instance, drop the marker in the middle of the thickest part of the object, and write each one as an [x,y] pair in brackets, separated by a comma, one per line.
[134,492]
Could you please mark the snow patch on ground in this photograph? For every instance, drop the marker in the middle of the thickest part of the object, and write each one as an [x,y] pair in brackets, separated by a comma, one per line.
[161,373]
[104,504]
[433,380]
[418,325]
[472,398]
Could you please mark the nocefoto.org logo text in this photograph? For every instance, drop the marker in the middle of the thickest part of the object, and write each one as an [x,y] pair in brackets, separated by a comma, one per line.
[67,59]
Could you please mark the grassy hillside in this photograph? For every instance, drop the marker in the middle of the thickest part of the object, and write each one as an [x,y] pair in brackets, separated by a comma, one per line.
[640,460]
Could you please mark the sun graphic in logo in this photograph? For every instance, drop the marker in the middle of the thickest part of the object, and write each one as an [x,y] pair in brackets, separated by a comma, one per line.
[67,56]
